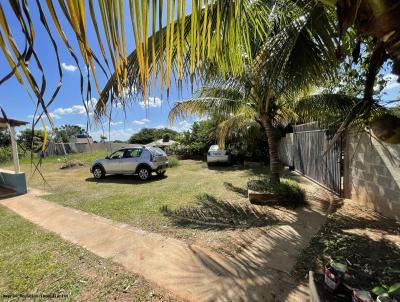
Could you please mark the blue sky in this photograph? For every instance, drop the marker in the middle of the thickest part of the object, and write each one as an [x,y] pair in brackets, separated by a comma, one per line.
[68,107]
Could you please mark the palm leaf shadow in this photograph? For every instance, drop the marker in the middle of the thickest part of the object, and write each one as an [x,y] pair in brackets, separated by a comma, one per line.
[212,213]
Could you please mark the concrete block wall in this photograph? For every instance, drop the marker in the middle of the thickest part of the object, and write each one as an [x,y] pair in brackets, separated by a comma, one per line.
[372,173]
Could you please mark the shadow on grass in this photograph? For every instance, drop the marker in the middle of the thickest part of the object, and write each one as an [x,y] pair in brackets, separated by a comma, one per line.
[242,192]
[212,213]
[125,179]
[221,168]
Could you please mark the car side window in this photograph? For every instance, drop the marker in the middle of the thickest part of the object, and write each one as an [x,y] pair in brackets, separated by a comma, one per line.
[117,155]
[133,153]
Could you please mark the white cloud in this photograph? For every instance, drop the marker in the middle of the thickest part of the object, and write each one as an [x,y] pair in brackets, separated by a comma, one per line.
[112,123]
[127,93]
[141,122]
[76,109]
[119,105]
[53,116]
[160,126]
[68,67]
[91,103]
[151,102]
[182,126]
[391,81]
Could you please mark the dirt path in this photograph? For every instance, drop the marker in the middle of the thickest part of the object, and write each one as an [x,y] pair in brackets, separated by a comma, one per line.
[259,273]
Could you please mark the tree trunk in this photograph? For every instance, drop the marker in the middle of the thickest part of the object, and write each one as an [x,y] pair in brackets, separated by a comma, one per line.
[273,150]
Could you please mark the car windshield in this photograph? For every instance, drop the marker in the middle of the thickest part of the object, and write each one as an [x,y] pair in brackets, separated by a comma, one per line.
[214,148]
[157,151]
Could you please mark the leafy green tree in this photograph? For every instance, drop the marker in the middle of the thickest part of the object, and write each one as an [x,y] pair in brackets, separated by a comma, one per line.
[65,132]
[29,140]
[198,139]
[5,139]
[103,138]
[166,137]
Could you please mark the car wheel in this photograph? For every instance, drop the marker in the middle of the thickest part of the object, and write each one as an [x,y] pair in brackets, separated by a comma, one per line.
[144,173]
[98,172]
[160,173]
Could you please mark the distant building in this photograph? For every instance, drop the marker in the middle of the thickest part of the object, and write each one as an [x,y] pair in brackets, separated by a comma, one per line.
[163,144]
[81,139]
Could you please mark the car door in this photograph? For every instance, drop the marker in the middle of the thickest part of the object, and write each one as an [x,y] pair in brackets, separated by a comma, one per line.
[114,162]
[130,160]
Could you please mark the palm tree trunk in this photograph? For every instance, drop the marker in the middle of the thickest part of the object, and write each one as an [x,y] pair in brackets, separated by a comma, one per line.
[273,150]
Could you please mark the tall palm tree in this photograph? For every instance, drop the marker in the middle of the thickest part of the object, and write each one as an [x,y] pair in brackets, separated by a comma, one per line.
[298,54]
[241,103]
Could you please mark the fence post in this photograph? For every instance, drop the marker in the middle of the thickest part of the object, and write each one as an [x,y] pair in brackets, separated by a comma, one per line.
[347,136]
[14,149]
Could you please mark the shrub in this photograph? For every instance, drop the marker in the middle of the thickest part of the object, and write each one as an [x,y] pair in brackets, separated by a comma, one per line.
[5,154]
[187,151]
[173,161]
[288,191]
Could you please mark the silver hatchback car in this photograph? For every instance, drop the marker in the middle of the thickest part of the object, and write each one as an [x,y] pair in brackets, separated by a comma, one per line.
[136,160]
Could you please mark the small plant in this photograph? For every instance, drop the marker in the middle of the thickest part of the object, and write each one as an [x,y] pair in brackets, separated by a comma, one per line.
[173,161]
[385,293]
[288,191]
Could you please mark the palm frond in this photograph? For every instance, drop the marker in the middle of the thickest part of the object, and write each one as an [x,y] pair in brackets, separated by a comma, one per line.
[302,51]
[187,43]
[203,106]
[284,116]
[328,109]
[242,121]
[178,47]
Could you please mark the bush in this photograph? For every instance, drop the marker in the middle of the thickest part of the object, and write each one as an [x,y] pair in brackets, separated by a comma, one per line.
[173,161]
[5,154]
[187,151]
[288,191]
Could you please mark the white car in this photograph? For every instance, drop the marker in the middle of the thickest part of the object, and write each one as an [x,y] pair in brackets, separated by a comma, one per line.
[216,155]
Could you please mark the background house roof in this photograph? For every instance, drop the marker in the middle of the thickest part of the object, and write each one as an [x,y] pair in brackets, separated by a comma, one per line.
[161,143]
[13,123]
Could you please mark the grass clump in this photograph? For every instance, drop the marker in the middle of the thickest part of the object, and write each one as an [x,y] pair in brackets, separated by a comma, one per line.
[288,191]
[173,161]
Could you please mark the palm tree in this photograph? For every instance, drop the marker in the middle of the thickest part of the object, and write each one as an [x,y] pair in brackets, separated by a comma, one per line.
[241,104]
[296,56]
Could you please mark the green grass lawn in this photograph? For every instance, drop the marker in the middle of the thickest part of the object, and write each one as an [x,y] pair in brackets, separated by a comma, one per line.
[129,200]
[37,262]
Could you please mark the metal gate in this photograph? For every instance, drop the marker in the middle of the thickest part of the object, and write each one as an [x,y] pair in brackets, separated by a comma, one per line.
[309,143]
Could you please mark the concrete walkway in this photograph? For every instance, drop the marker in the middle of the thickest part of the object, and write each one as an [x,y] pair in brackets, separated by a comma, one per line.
[259,273]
